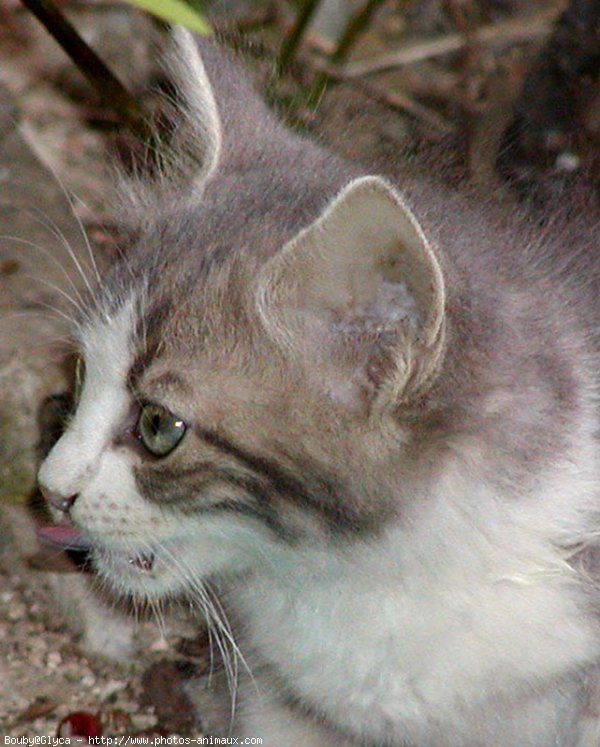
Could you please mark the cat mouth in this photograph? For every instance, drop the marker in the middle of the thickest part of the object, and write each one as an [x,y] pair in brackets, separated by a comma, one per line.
[68,537]
[143,562]
[65,536]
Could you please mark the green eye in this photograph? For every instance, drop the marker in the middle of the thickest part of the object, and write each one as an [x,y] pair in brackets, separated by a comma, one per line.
[159,430]
[79,379]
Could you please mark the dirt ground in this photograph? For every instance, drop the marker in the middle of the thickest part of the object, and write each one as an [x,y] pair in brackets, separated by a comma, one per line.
[55,185]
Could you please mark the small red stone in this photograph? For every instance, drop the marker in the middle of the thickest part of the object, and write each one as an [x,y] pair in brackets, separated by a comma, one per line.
[80,724]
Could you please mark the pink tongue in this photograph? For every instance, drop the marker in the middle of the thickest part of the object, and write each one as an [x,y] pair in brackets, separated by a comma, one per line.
[65,536]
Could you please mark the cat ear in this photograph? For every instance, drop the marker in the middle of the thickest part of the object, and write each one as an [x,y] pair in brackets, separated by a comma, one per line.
[202,128]
[362,290]
[194,145]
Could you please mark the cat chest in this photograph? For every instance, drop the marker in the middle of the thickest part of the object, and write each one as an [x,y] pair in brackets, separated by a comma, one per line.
[393,666]
[358,662]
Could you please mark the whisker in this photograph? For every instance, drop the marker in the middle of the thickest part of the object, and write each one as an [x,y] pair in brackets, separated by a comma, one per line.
[58,345]
[51,257]
[70,199]
[157,613]
[53,309]
[207,600]
[223,636]
[56,289]
[33,313]
[231,671]
[50,225]
[143,305]
[54,229]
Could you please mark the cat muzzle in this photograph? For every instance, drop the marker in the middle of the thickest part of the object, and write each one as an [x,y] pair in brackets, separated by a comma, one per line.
[68,537]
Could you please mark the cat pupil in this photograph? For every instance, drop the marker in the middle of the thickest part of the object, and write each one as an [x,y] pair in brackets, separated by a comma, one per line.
[155,425]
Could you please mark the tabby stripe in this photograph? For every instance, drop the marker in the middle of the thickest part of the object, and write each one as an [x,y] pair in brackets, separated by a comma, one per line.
[263,509]
[148,332]
[321,493]
[170,487]
[262,512]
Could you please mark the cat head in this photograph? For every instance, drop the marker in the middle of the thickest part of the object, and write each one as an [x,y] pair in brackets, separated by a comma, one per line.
[247,364]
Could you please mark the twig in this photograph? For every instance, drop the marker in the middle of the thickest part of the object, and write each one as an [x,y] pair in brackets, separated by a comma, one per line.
[256,20]
[498,34]
[393,100]
[291,43]
[358,22]
[108,86]
[355,26]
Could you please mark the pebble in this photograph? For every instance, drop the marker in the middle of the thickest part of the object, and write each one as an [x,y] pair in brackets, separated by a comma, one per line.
[143,720]
[16,611]
[54,660]
[567,161]
[160,644]
[37,646]
[109,688]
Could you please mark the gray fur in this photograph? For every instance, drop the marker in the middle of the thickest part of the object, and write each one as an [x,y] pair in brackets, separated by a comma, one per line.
[433,471]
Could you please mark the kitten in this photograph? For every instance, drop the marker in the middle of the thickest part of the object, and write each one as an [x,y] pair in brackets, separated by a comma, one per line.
[369,412]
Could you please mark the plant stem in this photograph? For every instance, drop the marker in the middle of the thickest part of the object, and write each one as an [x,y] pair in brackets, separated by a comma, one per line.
[107,85]
[290,45]
[497,34]
[355,26]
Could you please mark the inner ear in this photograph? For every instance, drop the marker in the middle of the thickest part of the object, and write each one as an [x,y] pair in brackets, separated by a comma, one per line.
[364,280]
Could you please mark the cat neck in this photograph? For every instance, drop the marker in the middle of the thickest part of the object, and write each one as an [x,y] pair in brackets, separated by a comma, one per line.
[406,623]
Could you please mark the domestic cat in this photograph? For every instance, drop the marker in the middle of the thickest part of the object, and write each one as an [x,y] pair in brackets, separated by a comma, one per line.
[369,412]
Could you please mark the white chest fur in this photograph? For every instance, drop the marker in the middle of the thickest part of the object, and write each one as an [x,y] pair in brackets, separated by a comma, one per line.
[450,641]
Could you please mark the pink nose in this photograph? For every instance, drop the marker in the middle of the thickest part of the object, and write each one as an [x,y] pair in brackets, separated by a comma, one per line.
[57,500]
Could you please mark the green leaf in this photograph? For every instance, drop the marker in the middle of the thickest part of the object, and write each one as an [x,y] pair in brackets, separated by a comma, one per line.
[175,11]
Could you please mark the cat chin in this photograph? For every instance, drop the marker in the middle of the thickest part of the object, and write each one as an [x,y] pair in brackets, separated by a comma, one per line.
[142,574]
[169,568]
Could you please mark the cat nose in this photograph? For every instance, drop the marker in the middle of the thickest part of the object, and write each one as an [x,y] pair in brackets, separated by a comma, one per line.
[57,500]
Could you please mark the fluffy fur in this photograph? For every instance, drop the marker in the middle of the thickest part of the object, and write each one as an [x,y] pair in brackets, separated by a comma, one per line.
[391,458]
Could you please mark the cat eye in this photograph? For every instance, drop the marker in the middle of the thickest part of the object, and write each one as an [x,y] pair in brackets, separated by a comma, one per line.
[159,430]
[79,379]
